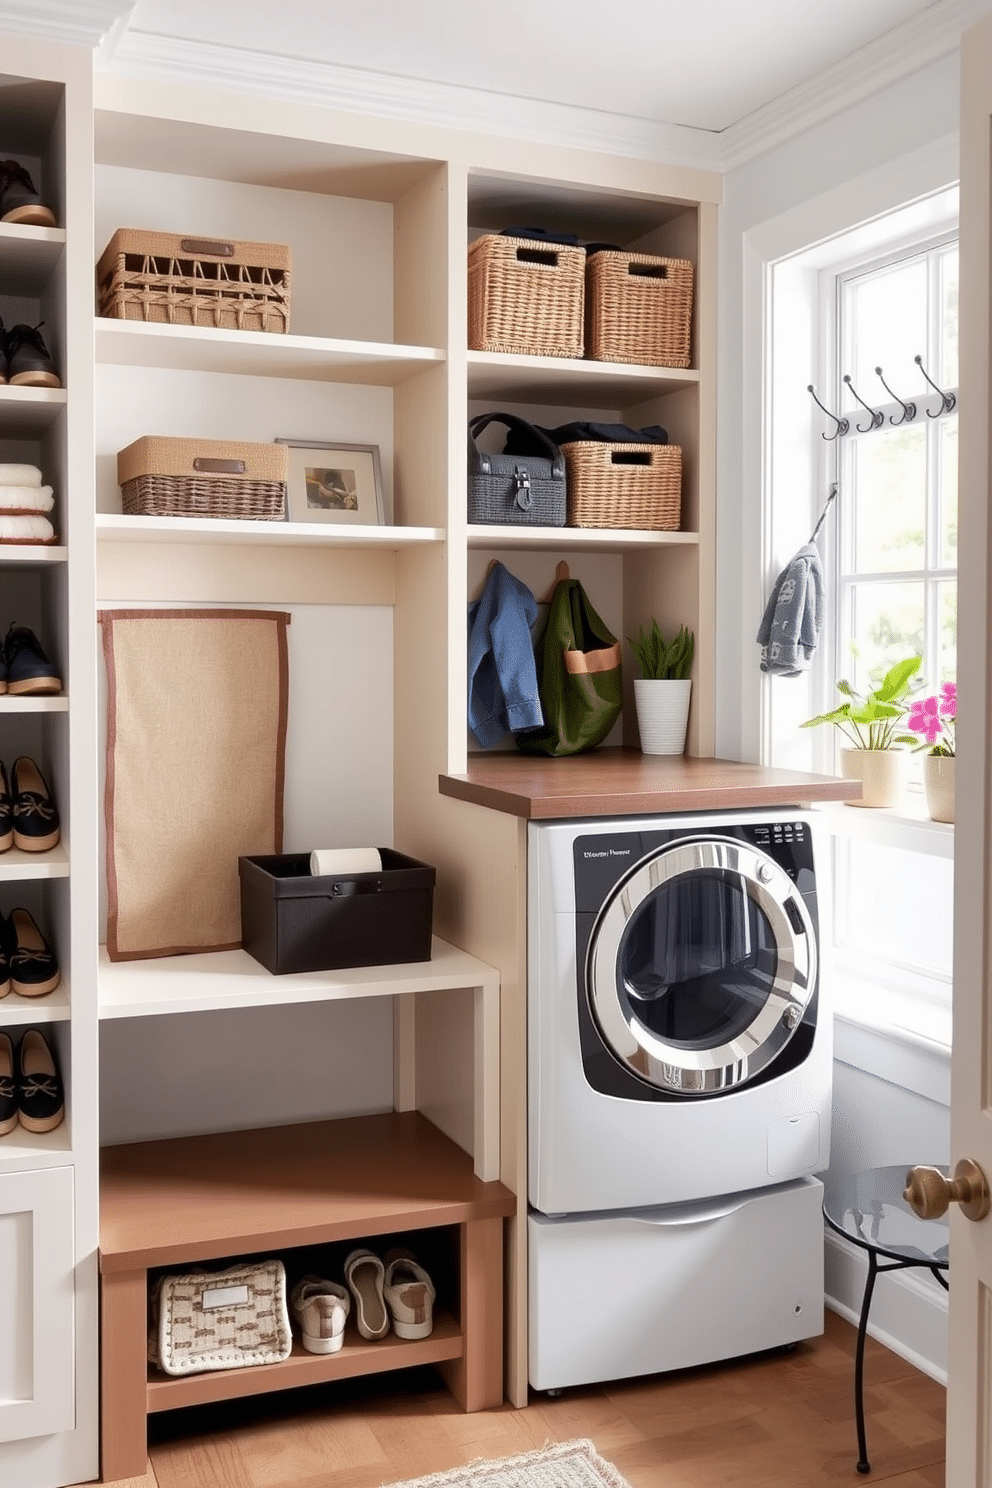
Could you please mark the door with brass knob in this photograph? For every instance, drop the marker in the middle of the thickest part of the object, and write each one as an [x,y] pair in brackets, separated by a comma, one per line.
[929,1194]
[969,1335]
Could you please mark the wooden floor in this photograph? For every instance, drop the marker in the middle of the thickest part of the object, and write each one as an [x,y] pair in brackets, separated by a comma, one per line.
[780,1420]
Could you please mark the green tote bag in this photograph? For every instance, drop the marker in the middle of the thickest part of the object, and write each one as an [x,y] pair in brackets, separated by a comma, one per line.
[578,676]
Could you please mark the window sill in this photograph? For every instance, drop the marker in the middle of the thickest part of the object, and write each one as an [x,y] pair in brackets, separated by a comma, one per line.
[904,1040]
[908,827]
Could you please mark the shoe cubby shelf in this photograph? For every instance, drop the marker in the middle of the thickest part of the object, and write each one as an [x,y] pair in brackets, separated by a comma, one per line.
[260,353]
[28,256]
[53,1007]
[29,555]
[17,864]
[111,527]
[270,1191]
[24,1150]
[28,411]
[598,539]
[10,704]
[494,375]
[233,979]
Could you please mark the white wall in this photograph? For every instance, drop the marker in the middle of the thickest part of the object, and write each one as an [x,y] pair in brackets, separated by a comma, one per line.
[897,145]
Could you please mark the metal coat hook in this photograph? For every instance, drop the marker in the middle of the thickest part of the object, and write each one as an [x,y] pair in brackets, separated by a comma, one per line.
[947,400]
[908,409]
[843,424]
[831,497]
[877,419]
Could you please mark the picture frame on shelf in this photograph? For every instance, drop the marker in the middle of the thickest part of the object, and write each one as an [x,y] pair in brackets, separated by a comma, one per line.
[329,480]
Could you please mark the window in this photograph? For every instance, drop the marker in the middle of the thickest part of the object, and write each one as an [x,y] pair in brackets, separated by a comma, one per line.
[868,303]
[896,551]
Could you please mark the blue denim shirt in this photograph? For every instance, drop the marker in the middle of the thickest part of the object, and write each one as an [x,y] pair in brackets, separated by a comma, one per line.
[502,674]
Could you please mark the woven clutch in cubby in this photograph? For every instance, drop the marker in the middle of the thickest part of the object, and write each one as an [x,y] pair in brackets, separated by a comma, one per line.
[229,1319]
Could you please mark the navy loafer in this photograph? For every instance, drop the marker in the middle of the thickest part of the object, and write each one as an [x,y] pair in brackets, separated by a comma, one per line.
[40,1096]
[8,1086]
[19,201]
[36,818]
[26,667]
[33,969]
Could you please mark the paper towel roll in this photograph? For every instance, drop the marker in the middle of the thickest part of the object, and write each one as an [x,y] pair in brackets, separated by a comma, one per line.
[328,861]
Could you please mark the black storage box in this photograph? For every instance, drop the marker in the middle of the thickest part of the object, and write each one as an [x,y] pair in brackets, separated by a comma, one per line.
[291,921]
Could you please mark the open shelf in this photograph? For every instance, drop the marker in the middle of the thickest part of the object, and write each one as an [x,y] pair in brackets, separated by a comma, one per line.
[356,1357]
[28,256]
[27,411]
[566,381]
[602,539]
[58,703]
[52,1008]
[259,353]
[17,864]
[31,555]
[114,527]
[233,979]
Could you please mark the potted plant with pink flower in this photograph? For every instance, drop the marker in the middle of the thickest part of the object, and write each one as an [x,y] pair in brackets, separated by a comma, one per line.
[935,718]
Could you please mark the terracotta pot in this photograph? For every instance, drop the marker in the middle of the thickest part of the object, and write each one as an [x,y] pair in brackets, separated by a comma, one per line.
[662,714]
[938,782]
[882,773]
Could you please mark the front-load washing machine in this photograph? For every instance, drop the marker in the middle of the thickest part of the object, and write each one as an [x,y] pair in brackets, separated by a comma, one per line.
[679,1083]
[677,1046]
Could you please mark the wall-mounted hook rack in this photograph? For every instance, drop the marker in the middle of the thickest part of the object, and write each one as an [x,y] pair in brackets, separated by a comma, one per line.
[877,418]
[908,409]
[843,424]
[561,572]
[947,400]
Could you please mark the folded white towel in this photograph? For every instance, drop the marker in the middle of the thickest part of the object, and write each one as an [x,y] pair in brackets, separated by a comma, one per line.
[14,529]
[20,475]
[26,498]
[326,862]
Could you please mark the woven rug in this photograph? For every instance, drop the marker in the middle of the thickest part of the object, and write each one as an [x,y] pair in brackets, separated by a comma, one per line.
[196,733]
[573,1464]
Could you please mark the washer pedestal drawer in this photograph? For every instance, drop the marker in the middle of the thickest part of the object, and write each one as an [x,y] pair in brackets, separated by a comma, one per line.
[617,1294]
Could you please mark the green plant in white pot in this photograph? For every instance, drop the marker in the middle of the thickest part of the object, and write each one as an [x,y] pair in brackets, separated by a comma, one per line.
[870,721]
[663,690]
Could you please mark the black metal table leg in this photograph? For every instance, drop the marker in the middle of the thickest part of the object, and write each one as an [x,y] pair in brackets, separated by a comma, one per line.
[864,1466]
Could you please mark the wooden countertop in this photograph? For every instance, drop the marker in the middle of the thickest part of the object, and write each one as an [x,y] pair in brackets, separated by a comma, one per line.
[625,782]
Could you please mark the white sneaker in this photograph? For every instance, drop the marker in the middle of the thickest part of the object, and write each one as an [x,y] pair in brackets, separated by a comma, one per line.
[409,1294]
[320,1307]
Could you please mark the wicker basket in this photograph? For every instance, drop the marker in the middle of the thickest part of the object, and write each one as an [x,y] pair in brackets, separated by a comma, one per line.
[525,296]
[162,477]
[623,485]
[638,309]
[179,280]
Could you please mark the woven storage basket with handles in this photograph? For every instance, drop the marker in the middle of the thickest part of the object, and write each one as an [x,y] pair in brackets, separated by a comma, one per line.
[638,309]
[164,477]
[227,1319]
[176,279]
[525,296]
[624,485]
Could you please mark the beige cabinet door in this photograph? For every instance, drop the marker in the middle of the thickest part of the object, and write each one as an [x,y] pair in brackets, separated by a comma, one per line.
[36,1304]
[969,1409]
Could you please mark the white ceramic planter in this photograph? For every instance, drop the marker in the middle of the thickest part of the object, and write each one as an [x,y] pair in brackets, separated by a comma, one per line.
[938,783]
[882,773]
[662,714]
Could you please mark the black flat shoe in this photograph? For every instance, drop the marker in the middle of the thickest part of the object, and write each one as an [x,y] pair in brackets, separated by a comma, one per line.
[6,812]
[8,1086]
[40,1097]
[33,967]
[36,817]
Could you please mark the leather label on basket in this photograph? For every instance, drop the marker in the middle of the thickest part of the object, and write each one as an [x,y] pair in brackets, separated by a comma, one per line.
[220,467]
[207,245]
[227,1296]
[606,660]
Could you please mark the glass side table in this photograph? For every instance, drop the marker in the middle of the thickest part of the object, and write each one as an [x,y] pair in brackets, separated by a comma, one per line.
[869,1209]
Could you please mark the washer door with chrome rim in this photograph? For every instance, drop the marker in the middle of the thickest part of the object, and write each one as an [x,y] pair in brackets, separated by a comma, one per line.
[701,965]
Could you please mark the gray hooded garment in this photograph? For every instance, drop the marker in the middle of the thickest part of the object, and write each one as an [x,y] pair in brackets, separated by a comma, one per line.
[790,627]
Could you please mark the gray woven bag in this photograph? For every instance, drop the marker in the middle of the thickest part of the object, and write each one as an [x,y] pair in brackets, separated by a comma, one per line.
[515,489]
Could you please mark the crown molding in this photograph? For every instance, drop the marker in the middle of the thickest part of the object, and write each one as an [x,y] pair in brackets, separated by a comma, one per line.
[934,34]
[80,22]
[130,52]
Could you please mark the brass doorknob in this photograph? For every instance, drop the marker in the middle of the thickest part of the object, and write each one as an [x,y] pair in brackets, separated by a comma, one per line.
[928,1193]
